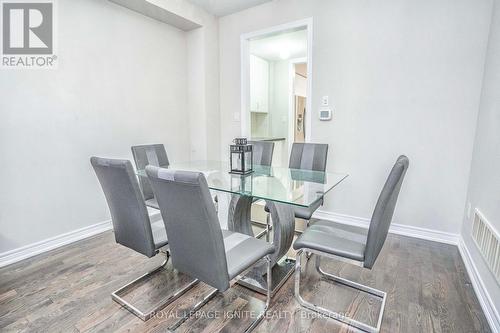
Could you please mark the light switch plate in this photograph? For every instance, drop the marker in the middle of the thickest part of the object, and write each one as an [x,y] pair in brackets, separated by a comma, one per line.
[236,116]
[324,101]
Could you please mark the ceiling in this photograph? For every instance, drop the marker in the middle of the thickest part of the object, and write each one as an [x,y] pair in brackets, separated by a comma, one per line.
[281,47]
[226,7]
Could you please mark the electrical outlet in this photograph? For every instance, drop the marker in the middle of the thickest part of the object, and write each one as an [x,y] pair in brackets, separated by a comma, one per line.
[236,116]
[324,101]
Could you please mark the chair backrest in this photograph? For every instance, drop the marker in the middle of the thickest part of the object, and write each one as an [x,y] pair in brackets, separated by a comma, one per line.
[194,233]
[131,223]
[154,154]
[384,209]
[308,156]
[262,152]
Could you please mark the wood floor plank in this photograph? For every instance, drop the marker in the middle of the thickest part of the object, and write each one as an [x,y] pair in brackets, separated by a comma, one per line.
[68,290]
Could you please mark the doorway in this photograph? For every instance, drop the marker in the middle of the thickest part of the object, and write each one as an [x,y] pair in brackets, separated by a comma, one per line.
[276,86]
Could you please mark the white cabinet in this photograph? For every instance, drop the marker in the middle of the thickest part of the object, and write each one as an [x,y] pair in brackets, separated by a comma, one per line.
[259,85]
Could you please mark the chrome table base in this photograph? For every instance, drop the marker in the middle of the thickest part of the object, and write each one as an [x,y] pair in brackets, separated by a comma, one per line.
[283,226]
[256,278]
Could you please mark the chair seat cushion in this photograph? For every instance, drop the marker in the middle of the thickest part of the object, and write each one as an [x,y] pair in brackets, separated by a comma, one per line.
[302,212]
[159,234]
[152,203]
[334,238]
[242,251]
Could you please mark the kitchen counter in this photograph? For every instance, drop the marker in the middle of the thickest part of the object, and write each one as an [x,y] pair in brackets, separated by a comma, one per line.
[267,139]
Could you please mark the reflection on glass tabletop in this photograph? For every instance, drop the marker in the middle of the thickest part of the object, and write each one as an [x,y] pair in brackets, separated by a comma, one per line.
[291,186]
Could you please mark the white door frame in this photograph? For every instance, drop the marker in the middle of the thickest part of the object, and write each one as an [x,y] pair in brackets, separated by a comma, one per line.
[245,69]
[291,101]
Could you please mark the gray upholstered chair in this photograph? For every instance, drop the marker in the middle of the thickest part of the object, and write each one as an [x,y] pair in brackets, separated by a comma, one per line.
[262,155]
[312,157]
[131,223]
[352,244]
[198,245]
[262,152]
[156,155]
[308,156]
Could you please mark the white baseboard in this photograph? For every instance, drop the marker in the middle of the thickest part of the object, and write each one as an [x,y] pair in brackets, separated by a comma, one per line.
[25,252]
[399,229]
[12,256]
[477,283]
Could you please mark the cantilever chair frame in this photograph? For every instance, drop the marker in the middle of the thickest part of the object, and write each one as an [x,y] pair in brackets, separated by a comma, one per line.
[176,191]
[214,293]
[357,286]
[123,221]
[144,316]
[377,233]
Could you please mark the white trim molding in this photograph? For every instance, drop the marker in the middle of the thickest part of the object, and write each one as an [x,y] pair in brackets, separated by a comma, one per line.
[28,251]
[245,38]
[31,250]
[398,229]
[481,292]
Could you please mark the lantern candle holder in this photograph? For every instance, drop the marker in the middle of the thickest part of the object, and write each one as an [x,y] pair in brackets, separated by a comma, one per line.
[241,157]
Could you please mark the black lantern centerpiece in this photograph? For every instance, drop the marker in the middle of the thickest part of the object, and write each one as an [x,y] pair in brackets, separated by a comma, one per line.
[241,157]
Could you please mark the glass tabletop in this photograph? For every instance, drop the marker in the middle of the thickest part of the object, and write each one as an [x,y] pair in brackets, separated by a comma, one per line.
[285,185]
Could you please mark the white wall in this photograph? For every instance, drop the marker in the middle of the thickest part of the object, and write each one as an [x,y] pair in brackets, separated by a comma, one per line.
[203,86]
[121,81]
[403,77]
[484,183]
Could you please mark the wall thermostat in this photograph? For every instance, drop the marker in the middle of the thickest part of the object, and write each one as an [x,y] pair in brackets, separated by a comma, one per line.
[325,114]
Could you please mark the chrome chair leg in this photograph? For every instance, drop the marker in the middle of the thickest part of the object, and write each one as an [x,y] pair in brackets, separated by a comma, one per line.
[146,315]
[193,310]
[268,298]
[308,254]
[346,282]
[335,315]
[268,226]
[263,232]
[266,231]
[214,292]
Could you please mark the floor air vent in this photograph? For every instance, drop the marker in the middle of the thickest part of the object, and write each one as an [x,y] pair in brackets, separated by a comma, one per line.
[488,241]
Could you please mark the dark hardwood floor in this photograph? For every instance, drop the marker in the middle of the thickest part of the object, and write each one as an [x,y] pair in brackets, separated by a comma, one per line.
[68,290]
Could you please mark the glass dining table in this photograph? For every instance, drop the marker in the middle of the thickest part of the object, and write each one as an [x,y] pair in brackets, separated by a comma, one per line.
[282,189]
